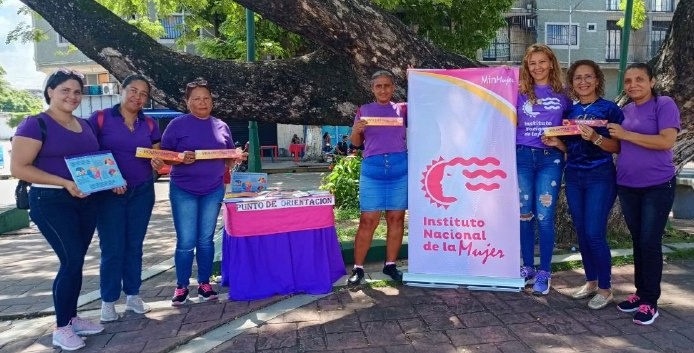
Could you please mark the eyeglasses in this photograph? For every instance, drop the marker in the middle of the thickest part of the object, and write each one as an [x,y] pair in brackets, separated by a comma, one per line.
[197,83]
[586,78]
[69,72]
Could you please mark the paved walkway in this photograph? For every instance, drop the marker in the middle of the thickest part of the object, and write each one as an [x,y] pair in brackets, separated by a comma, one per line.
[380,319]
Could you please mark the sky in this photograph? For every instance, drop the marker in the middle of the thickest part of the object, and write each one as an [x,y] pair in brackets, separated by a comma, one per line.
[16,58]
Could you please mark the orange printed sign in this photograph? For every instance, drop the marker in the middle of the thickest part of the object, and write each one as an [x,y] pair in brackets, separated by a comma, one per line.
[382,121]
[562,130]
[218,154]
[142,152]
[593,123]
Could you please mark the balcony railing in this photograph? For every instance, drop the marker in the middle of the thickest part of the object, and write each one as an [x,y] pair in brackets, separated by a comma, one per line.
[661,5]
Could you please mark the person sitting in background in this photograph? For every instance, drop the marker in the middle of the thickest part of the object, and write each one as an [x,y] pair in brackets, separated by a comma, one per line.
[342,147]
[296,140]
[327,148]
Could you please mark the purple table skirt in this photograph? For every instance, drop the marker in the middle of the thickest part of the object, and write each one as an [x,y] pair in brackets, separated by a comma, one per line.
[257,267]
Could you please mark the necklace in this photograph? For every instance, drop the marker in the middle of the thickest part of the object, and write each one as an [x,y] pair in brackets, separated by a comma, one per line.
[587,106]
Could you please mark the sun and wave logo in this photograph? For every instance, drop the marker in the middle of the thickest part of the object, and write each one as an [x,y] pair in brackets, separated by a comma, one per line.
[549,103]
[443,172]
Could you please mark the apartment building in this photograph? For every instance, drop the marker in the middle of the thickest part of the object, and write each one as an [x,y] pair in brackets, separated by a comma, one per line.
[579,29]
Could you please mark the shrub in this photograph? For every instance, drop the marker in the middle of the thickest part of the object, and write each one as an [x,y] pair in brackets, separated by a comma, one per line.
[343,181]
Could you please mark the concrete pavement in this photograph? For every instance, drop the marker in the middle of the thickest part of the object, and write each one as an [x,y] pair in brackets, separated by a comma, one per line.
[379,319]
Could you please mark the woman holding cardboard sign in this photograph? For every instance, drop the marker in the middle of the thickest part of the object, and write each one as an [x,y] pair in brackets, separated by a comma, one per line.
[380,128]
[590,176]
[196,188]
[124,212]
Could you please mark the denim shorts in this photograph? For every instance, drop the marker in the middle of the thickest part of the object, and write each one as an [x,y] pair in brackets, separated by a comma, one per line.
[383,182]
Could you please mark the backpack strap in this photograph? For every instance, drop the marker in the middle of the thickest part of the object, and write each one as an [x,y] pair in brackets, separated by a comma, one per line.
[42,126]
[100,119]
[150,123]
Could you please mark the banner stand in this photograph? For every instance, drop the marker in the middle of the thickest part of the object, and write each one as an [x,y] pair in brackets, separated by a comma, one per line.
[500,284]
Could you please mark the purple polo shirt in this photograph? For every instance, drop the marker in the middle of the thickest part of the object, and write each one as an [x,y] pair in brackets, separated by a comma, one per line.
[115,136]
[60,143]
[383,139]
[638,166]
[548,110]
[188,133]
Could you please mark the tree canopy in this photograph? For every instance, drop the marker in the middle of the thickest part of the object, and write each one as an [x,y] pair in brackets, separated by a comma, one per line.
[19,103]
[353,38]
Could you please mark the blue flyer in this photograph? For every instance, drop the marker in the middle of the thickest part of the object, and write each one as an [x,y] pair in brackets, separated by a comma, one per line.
[95,172]
[248,182]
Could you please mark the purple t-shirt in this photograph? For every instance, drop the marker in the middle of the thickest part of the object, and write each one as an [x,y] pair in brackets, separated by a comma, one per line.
[384,139]
[639,166]
[115,136]
[548,110]
[60,143]
[188,133]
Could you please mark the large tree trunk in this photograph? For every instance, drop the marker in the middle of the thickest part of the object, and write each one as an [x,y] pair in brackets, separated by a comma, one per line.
[322,88]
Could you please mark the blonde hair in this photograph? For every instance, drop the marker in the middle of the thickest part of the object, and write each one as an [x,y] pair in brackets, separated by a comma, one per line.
[527,82]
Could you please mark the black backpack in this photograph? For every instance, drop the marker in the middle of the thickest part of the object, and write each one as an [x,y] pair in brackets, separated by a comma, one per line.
[21,192]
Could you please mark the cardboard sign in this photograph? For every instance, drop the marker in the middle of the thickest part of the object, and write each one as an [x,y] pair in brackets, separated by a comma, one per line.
[562,130]
[382,121]
[593,123]
[164,155]
[218,154]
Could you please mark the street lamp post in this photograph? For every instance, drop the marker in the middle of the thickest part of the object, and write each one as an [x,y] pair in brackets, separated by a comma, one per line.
[254,164]
[568,42]
[625,45]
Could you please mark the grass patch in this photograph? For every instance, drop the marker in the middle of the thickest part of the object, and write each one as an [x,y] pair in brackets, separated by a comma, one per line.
[684,254]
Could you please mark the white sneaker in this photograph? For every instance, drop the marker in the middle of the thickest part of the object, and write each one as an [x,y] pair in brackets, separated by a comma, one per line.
[108,311]
[83,327]
[135,303]
[65,338]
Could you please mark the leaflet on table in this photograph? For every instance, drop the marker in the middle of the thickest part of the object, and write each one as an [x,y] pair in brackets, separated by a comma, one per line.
[382,121]
[248,182]
[165,155]
[218,154]
[95,172]
[245,205]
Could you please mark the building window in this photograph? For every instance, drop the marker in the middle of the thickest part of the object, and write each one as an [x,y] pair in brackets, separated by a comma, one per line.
[62,42]
[657,35]
[558,34]
[614,38]
[173,26]
[499,49]
[612,5]
[591,27]
[660,5]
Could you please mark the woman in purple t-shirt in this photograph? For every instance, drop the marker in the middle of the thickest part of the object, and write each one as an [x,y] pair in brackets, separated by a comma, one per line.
[541,103]
[646,183]
[65,216]
[380,127]
[196,188]
[124,212]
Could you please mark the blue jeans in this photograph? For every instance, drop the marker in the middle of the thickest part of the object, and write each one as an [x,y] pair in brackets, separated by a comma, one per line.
[68,225]
[646,211]
[590,195]
[122,226]
[539,181]
[195,219]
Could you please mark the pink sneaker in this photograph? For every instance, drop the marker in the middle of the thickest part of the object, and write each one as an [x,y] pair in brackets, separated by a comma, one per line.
[84,327]
[65,338]
[205,292]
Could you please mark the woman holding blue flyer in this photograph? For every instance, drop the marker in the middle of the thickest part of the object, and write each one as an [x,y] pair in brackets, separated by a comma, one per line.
[63,213]
[196,188]
[124,212]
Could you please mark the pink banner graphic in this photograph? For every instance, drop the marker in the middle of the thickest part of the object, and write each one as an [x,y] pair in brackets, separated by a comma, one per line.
[463,187]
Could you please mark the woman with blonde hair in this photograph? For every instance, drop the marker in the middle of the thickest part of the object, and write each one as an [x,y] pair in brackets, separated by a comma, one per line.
[541,103]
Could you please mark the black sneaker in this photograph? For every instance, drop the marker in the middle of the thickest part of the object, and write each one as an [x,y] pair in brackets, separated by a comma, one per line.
[357,276]
[392,271]
[205,292]
[180,296]
[630,305]
[646,314]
